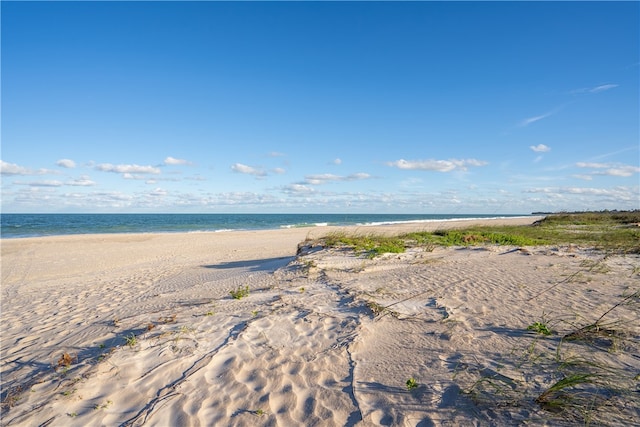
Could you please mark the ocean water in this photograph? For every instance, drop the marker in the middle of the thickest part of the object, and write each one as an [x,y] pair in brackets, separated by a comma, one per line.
[33,225]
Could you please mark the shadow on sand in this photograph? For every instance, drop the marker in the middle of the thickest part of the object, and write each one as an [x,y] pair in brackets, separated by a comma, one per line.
[266,264]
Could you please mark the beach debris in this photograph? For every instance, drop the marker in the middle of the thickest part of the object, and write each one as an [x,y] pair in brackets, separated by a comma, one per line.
[66,360]
[167,319]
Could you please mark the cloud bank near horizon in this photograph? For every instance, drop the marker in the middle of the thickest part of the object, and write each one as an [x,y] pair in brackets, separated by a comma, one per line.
[305,193]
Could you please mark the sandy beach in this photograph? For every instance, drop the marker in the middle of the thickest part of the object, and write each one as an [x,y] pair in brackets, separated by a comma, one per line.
[141,329]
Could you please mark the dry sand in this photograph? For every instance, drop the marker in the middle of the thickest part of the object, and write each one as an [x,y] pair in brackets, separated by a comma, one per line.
[324,338]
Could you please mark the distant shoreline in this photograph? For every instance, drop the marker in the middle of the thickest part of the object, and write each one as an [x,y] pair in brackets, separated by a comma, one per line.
[40,225]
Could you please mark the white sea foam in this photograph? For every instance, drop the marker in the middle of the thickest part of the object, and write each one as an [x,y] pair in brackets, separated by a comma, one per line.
[305,224]
[419,221]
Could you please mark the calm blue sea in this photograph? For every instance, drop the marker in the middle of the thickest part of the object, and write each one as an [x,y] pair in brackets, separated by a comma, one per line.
[32,225]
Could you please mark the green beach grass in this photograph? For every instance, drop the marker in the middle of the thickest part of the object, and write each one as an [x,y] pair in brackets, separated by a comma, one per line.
[617,232]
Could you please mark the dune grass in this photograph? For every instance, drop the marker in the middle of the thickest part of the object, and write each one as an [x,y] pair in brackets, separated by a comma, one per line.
[370,244]
[616,232]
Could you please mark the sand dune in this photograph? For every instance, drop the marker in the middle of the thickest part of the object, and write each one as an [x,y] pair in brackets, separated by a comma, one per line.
[325,338]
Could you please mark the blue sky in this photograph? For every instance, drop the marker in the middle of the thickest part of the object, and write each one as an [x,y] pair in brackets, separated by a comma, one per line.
[417,107]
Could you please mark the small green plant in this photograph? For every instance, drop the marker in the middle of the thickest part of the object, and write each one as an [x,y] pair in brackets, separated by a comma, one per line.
[73,414]
[131,340]
[412,384]
[539,328]
[254,313]
[376,308]
[67,393]
[102,345]
[240,293]
[209,313]
[97,407]
[307,266]
[556,397]
[302,289]
[259,412]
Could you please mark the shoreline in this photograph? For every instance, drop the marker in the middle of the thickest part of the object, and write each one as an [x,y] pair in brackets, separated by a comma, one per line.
[392,227]
[280,227]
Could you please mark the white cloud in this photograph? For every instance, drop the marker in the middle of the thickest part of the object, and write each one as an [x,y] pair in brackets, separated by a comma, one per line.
[46,183]
[412,183]
[108,199]
[66,163]
[613,153]
[610,169]
[173,161]
[624,193]
[127,169]
[134,176]
[321,179]
[13,169]
[595,89]
[358,176]
[327,177]
[592,165]
[279,171]
[540,148]
[436,165]
[337,161]
[83,181]
[298,189]
[528,121]
[249,170]
[602,88]
[238,198]
[584,177]
[276,154]
[621,171]
[159,192]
